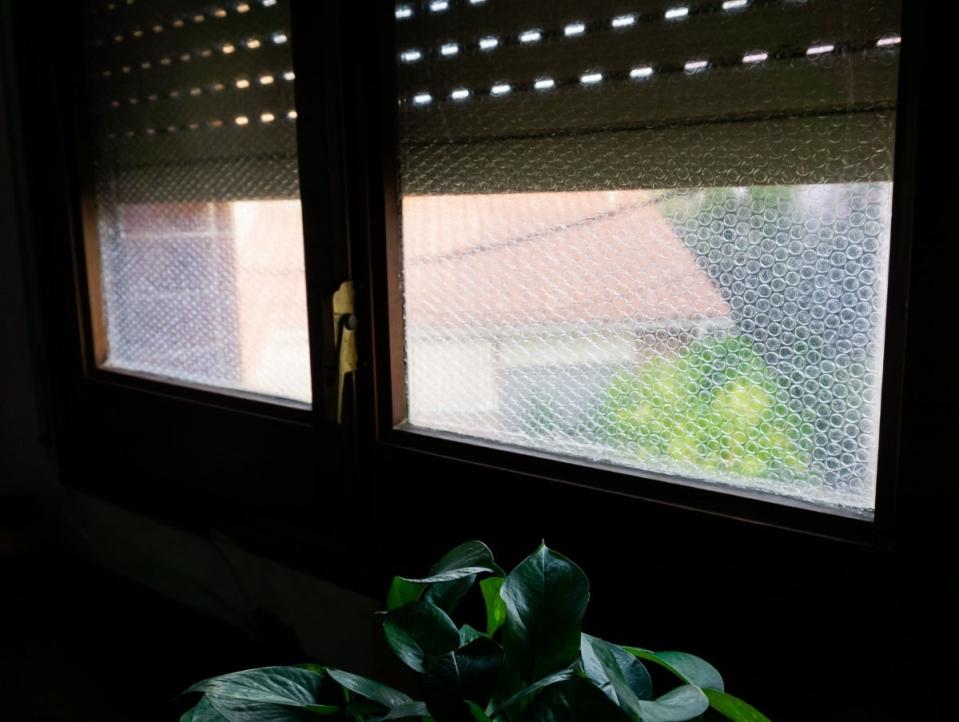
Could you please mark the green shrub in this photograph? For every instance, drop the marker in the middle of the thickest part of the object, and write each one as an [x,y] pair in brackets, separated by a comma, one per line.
[715,406]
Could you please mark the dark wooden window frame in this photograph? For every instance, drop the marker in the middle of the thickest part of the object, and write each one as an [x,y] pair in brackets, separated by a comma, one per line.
[346,100]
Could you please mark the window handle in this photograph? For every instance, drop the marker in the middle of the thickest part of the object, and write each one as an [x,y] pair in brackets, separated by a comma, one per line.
[344,339]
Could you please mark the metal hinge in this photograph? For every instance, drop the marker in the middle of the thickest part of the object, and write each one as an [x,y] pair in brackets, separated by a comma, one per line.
[344,339]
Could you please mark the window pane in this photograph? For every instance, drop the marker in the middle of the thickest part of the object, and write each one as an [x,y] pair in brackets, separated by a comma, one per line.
[200,235]
[211,293]
[639,268]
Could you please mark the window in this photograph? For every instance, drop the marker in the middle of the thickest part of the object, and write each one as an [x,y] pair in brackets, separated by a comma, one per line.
[653,238]
[572,249]
[197,274]
[658,239]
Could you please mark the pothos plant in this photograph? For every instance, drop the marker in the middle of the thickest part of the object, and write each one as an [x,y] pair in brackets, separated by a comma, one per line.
[531,663]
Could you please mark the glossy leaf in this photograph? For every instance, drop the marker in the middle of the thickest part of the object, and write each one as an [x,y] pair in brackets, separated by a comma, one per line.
[370,689]
[535,687]
[689,668]
[477,712]
[473,557]
[733,708]
[360,707]
[322,709]
[203,712]
[575,700]
[292,686]
[546,597]
[244,710]
[450,576]
[508,685]
[402,592]
[448,595]
[420,630]
[468,634]
[407,711]
[311,667]
[682,703]
[495,606]
[617,673]
[468,673]
[468,554]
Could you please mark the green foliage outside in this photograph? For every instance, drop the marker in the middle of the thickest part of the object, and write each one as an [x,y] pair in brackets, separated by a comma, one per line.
[715,406]
[527,661]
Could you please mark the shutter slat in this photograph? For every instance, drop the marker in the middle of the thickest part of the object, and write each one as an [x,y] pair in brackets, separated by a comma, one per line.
[171,121]
[214,32]
[784,27]
[853,82]
[186,110]
[198,73]
[792,117]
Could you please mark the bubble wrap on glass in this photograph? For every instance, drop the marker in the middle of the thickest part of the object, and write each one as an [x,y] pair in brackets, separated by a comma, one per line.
[665,250]
[201,247]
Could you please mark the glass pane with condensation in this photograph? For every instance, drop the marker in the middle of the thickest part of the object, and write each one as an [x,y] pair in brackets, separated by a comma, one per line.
[563,295]
[201,262]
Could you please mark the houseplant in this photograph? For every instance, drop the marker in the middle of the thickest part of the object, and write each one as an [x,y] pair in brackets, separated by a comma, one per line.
[532,663]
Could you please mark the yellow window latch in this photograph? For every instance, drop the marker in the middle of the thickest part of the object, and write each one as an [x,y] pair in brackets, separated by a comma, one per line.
[344,338]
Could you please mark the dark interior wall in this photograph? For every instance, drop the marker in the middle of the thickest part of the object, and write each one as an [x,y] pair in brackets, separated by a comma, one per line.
[26,465]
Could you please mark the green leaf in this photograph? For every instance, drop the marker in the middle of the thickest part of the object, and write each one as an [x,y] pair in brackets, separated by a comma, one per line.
[543,683]
[322,709]
[574,700]
[468,634]
[617,673]
[473,557]
[689,668]
[466,555]
[733,708]
[478,713]
[470,672]
[697,671]
[682,703]
[411,709]
[363,708]
[420,630]
[244,710]
[448,595]
[402,592]
[546,597]
[495,606]
[451,575]
[368,688]
[310,666]
[203,712]
[291,686]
